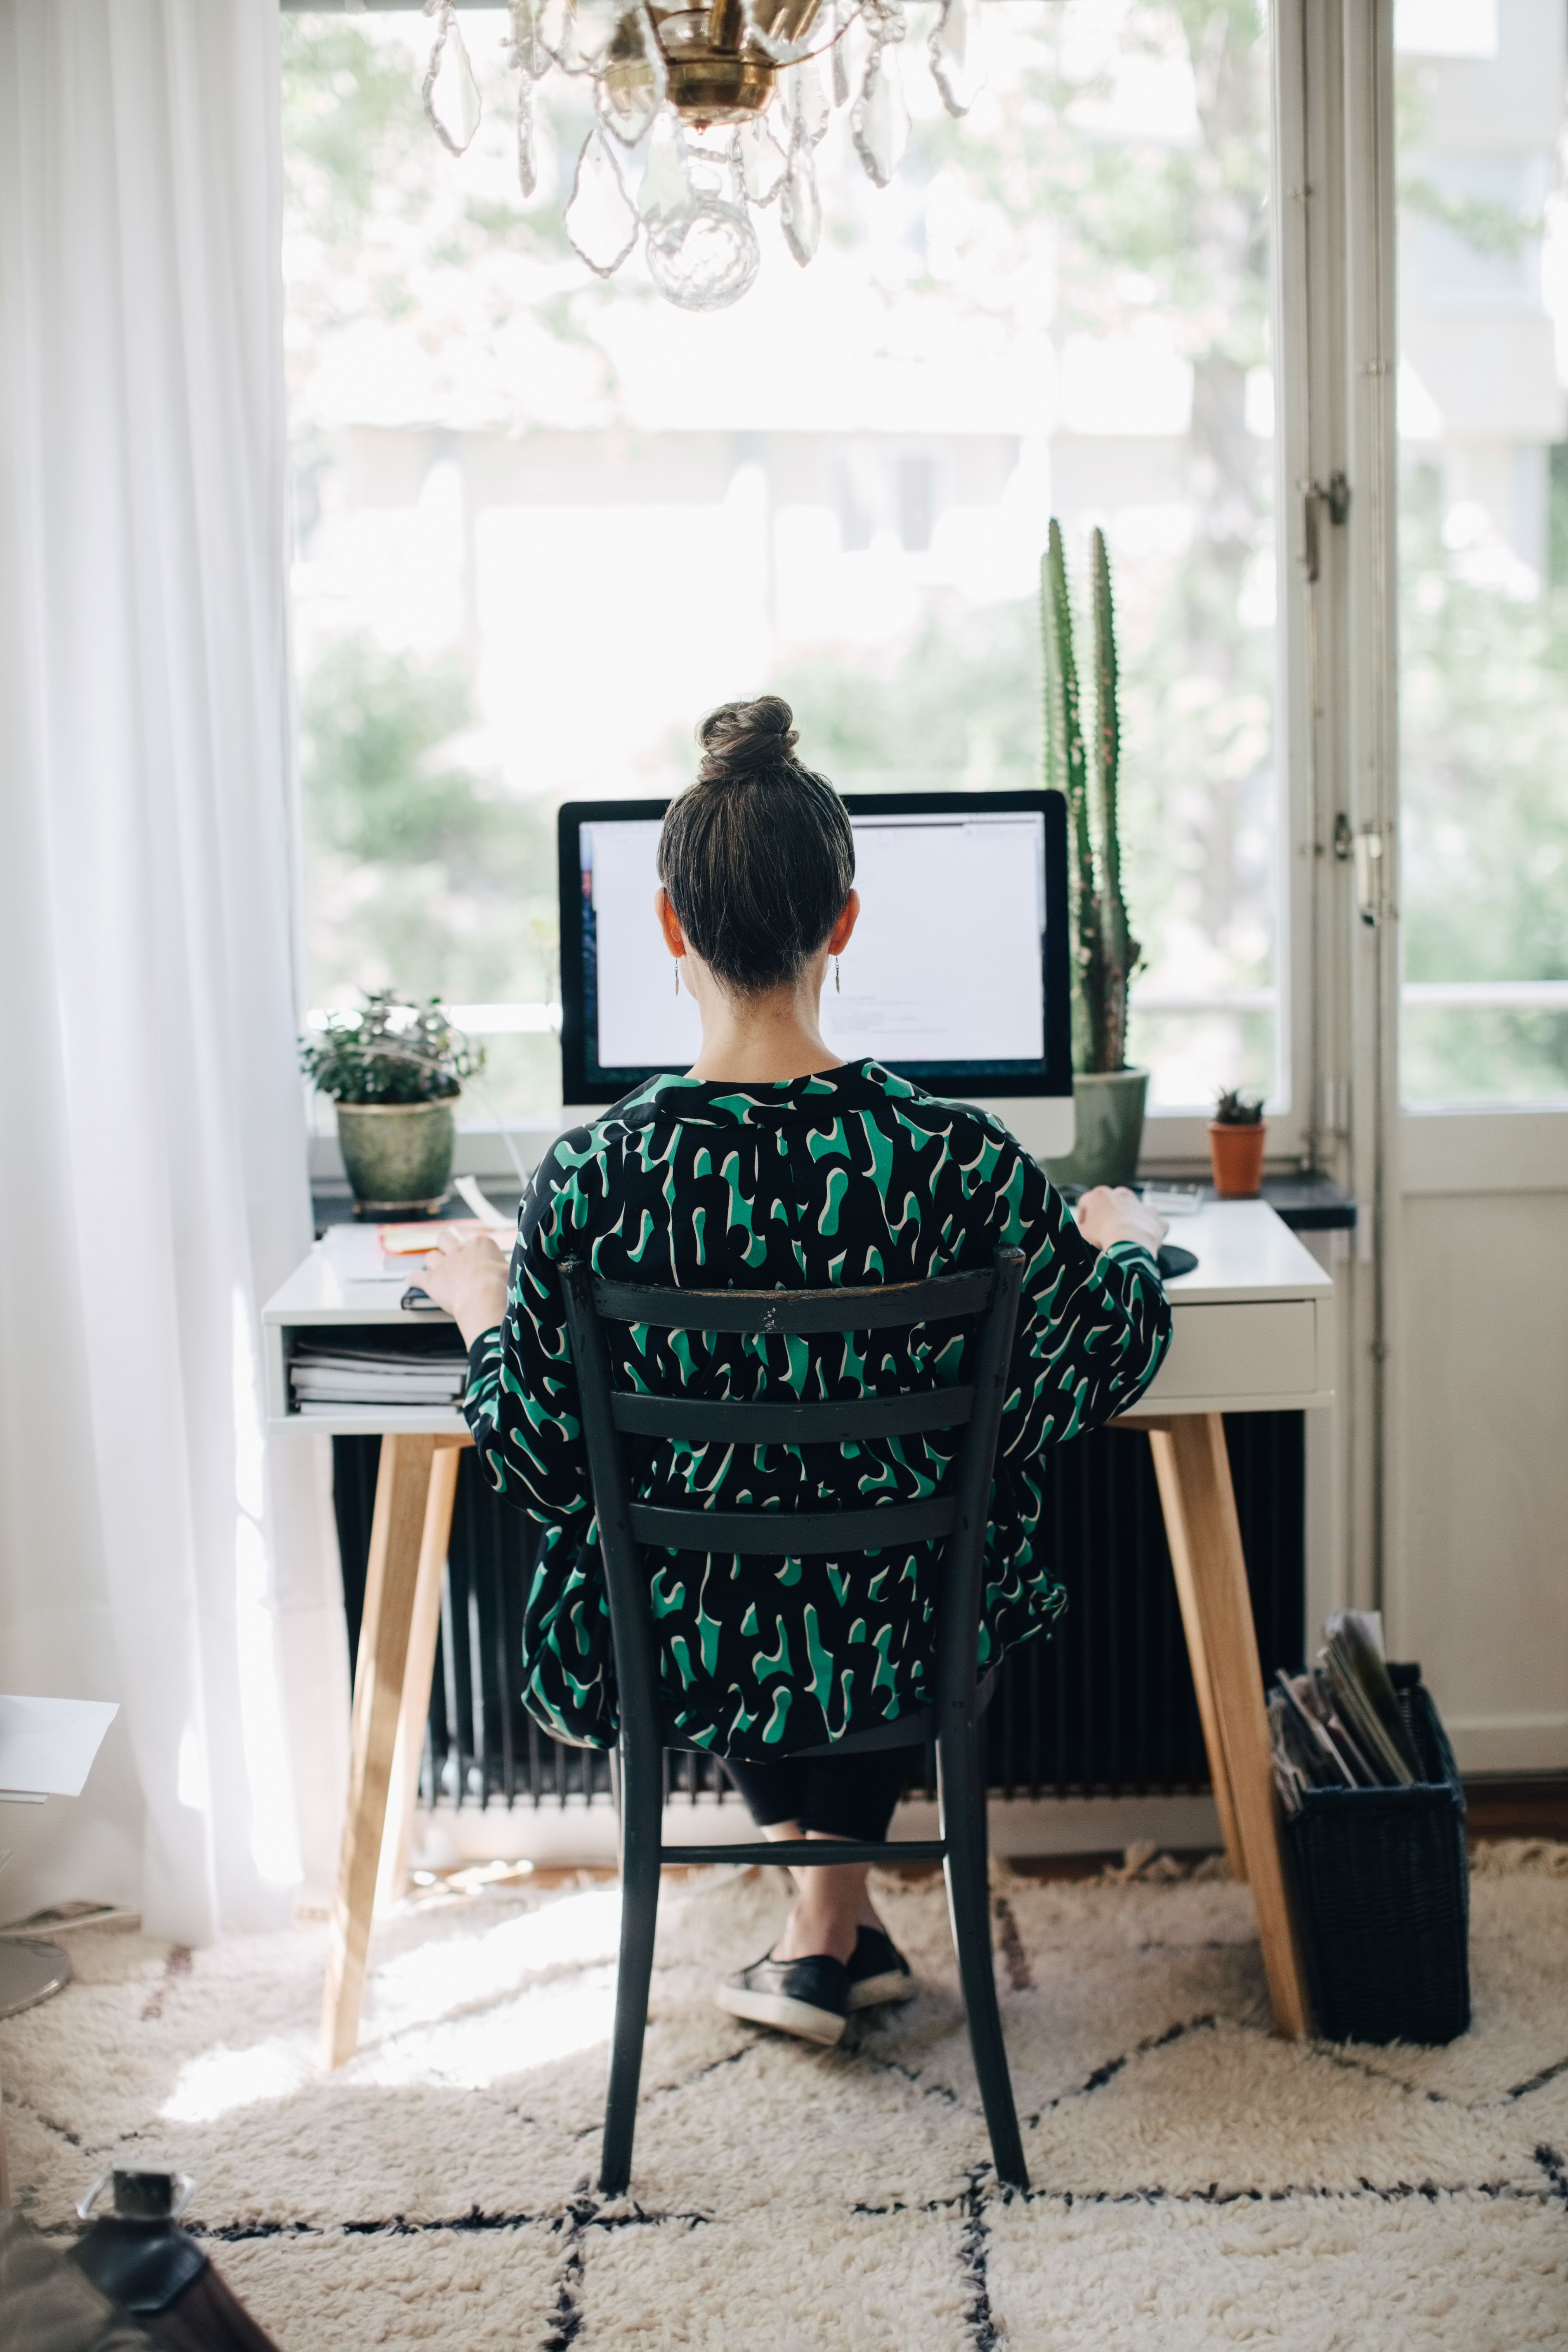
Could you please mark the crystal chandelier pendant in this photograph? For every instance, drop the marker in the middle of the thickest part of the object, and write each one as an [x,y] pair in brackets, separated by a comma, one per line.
[450,92]
[840,55]
[601,219]
[879,120]
[578,33]
[761,161]
[954,49]
[706,259]
[701,250]
[668,192]
[807,110]
[529,53]
[800,207]
[785,30]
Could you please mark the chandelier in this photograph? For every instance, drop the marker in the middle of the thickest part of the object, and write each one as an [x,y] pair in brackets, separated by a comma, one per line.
[726,106]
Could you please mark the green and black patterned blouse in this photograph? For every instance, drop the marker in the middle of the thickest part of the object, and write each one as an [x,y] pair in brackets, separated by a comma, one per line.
[850,1177]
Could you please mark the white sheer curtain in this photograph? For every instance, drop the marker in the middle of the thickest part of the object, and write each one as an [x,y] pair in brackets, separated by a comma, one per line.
[153,1185]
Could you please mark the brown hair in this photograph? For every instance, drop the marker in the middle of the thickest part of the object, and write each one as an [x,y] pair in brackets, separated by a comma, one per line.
[757,855]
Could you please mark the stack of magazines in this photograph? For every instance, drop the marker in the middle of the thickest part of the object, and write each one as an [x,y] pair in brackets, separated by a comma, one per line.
[1339,1724]
[325,1376]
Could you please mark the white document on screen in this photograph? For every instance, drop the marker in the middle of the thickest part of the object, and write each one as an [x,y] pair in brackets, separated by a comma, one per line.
[642,1021]
[944,965]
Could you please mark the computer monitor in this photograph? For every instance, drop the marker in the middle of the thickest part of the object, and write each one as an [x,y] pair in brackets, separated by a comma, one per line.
[956,977]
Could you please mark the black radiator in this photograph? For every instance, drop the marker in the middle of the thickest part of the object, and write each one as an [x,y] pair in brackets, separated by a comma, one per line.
[1104,1705]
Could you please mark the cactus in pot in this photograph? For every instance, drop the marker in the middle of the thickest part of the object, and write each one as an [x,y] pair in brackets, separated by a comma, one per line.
[1109,1096]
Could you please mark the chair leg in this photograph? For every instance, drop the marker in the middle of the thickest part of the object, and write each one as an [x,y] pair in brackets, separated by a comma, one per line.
[968,1908]
[641,1798]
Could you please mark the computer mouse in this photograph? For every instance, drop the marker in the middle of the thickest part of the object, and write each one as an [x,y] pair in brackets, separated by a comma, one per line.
[1172,1260]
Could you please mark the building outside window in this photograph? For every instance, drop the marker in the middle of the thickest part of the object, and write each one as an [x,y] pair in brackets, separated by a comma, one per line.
[542,524]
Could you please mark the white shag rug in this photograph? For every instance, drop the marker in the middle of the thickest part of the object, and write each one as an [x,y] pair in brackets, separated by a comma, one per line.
[1197,2182]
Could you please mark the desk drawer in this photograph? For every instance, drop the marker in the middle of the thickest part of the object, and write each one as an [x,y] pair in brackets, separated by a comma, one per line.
[1268,1350]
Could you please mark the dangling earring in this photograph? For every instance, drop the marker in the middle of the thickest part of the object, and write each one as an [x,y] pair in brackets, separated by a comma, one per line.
[837,985]
[678,979]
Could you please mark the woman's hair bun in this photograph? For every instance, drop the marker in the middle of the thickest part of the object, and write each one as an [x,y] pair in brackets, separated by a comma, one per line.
[747,739]
[757,855]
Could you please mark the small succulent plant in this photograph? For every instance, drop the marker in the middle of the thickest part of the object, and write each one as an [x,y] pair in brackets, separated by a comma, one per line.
[393,1052]
[1234,1108]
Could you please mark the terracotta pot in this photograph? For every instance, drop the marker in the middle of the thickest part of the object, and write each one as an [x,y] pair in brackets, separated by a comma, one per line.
[1237,1156]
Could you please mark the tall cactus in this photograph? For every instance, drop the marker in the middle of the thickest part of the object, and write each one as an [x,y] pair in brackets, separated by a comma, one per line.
[1104,953]
[1066,771]
[1121,949]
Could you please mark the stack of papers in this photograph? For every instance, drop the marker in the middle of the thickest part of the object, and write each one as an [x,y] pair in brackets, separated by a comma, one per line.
[1339,1724]
[325,1376]
[48,1744]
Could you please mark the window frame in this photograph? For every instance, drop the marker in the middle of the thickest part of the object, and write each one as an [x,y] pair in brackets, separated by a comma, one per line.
[1174,1142]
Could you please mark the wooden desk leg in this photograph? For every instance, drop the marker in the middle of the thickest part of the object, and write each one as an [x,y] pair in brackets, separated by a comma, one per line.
[425,1626]
[396,1541]
[1192,1468]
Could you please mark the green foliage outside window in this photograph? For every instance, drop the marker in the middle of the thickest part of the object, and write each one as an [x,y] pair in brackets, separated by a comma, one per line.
[1484,873]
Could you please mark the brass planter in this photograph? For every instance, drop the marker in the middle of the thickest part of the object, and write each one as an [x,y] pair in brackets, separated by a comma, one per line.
[398,1156]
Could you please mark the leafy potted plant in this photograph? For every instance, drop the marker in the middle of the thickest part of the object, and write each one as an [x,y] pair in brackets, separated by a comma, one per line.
[394,1072]
[1235,1147]
[1108,1097]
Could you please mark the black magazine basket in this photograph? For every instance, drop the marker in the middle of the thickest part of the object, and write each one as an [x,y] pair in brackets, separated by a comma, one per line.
[1382,1880]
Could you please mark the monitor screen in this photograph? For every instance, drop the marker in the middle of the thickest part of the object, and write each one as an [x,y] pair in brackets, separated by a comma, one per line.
[957,975]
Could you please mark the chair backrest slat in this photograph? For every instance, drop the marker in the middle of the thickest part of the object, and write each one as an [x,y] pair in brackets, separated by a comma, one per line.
[873,1308]
[793,1535]
[852,1419]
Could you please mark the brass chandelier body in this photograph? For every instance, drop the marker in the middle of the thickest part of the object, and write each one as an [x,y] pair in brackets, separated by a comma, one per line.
[716,70]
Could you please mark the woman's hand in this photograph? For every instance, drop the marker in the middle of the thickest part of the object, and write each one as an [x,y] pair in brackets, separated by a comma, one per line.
[468,1279]
[1107,1215]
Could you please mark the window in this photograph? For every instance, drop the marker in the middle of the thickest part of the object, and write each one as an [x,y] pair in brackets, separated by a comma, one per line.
[1483,430]
[541,524]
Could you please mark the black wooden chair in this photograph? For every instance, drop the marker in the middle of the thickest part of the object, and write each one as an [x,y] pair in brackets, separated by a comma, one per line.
[959,1516]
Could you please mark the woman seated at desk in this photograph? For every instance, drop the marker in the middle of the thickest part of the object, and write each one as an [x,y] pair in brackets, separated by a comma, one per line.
[771,1163]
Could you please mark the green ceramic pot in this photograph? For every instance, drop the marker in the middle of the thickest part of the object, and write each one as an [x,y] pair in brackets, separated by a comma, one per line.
[398,1155]
[1108,1105]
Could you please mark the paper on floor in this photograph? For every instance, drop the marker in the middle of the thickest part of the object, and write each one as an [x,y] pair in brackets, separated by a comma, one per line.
[48,1744]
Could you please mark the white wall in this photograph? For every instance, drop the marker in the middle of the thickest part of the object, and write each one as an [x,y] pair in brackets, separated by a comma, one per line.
[1478,1588]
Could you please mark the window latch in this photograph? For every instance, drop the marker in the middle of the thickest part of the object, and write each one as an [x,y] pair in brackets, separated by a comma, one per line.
[1334,494]
[1368,848]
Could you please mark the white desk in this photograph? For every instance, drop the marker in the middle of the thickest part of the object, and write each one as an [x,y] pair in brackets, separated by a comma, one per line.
[1252,1332]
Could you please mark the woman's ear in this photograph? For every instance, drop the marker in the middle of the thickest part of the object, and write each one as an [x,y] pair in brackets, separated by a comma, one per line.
[839,936]
[668,922]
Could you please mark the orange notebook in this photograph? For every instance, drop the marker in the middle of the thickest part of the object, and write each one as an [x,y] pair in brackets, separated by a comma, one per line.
[418,1240]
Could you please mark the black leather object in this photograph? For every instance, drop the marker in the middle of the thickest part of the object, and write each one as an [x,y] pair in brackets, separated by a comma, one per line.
[139,2265]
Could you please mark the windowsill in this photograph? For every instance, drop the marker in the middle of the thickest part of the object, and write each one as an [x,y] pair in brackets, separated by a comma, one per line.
[1176,1145]
[1308,1203]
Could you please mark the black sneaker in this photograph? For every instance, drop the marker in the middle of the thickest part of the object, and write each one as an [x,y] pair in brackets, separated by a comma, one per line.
[809,1998]
[878,1971]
